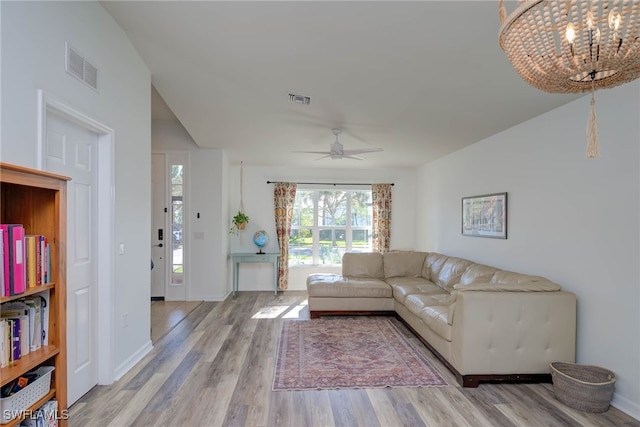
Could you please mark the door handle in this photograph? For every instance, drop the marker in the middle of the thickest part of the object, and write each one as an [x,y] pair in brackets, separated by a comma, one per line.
[158,245]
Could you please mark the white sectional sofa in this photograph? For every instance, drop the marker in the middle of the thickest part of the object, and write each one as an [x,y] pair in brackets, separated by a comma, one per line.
[484,323]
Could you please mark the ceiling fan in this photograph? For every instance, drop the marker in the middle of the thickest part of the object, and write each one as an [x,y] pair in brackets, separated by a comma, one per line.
[338,151]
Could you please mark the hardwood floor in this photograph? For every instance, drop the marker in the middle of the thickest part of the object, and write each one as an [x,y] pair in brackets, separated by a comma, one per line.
[215,368]
[165,315]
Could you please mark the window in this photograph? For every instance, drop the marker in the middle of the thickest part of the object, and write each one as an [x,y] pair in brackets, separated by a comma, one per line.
[177,224]
[328,223]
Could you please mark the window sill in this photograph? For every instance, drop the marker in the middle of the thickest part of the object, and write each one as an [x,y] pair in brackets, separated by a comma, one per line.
[316,266]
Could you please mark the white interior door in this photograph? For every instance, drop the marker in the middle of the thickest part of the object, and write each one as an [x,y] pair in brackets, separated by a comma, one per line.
[160,238]
[71,150]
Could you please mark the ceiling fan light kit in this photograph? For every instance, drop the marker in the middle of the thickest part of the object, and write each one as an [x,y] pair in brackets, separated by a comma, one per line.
[561,46]
[338,152]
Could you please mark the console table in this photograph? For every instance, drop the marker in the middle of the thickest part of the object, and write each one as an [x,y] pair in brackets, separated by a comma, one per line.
[273,258]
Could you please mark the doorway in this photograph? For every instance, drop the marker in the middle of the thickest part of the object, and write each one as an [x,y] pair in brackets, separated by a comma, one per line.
[169,239]
[93,252]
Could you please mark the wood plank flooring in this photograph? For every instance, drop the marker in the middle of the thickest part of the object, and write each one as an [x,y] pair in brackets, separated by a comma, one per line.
[215,368]
[165,315]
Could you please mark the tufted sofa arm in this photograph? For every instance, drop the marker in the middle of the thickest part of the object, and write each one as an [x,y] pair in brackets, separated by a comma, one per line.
[506,332]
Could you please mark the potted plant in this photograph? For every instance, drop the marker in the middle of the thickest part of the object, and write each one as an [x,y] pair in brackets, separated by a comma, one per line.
[240,221]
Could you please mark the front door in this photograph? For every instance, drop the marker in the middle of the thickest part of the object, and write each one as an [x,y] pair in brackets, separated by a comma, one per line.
[71,150]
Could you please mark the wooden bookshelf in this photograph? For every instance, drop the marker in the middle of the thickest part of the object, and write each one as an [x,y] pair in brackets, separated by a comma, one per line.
[38,200]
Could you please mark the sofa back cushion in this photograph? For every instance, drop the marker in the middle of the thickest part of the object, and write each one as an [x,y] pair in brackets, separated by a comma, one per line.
[432,265]
[403,264]
[509,277]
[362,265]
[451,271]
[477,273]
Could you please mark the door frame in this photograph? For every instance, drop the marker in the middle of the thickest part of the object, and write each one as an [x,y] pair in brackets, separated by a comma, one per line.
[177,293]
[48,104]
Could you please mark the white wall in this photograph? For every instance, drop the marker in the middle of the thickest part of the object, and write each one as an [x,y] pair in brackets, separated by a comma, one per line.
[258,204]
[206,241]
[571,219]
[33,58]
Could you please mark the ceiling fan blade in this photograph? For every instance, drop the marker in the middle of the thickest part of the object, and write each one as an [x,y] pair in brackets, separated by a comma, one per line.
[350,156]
[362,150]
[323,157]
[313,152]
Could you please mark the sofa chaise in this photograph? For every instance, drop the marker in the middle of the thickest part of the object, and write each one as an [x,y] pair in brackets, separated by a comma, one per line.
[483,323]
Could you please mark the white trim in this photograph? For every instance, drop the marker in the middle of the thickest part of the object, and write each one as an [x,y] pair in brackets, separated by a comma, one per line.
[133,360]
[106,218]
[625,405]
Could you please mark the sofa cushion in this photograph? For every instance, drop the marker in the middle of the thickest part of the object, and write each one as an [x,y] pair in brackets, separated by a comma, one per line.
[403,264]
[451,271]
[477,273]
[362,265]
[404,288]
[435,317]
[415,303]
[503,277]
[335,285]
[432,265]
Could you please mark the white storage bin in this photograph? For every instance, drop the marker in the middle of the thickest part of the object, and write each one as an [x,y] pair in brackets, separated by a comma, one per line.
[12,405]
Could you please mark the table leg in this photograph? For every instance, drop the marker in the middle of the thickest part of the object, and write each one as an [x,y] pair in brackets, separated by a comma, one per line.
[276,267]
[236,271]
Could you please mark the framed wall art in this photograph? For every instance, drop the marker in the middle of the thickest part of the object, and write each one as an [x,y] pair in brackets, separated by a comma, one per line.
[485,216]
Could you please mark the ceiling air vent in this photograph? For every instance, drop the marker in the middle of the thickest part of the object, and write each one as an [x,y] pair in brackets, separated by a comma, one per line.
[299,99]
[80,68]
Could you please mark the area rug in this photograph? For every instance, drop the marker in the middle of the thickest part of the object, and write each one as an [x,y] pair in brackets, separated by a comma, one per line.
[345,353]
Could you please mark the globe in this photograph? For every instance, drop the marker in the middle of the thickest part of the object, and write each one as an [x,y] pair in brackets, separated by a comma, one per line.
[260,238]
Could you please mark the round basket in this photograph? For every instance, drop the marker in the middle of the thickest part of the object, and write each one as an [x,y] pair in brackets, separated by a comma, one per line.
[584,387]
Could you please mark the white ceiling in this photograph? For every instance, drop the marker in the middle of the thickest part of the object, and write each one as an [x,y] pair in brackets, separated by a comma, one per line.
[419,79]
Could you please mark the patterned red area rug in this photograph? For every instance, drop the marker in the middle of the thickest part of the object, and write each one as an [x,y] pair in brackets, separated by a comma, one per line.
[344,353]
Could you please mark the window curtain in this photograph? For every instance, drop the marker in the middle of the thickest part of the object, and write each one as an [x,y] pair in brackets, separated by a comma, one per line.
[381,228]
[284,196]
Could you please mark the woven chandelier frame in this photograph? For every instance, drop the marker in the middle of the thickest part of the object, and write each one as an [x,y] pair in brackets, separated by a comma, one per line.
[604,53]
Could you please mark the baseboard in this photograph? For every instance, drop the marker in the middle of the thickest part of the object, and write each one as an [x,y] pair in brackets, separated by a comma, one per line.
[625,405]
[132,360]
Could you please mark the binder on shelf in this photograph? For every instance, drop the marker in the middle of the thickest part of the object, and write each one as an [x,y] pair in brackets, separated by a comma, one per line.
[31,260]
[4,354]
[4,229]
[15,339]
[16,258]
[35,305]
[2,240]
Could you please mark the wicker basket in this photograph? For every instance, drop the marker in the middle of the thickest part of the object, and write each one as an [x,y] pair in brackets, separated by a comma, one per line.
[583,387]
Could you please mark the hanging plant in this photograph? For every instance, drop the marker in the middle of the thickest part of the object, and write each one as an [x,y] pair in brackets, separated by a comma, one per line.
[240,221]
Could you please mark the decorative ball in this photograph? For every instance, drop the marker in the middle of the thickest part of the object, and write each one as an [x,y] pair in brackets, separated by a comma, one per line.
[260,238]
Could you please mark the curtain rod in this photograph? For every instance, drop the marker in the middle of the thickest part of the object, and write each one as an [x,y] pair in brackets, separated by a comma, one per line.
[327,183]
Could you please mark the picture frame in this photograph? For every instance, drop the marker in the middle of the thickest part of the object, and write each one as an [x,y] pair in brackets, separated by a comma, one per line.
[485,216]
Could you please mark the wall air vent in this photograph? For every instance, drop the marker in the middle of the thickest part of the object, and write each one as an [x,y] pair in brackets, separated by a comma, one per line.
[80,68]
[299,99]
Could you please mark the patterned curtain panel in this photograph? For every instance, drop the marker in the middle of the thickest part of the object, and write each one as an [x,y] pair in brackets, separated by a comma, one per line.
[381,195]
[284,195]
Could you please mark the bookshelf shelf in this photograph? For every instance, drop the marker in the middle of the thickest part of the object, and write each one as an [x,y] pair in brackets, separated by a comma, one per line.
[27,363]
[28,292]
[38,201]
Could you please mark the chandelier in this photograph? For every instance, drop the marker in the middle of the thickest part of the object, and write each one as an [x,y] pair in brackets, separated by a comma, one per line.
[573,47]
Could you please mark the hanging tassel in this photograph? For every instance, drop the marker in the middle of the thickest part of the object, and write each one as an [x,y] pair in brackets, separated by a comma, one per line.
[592,132]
